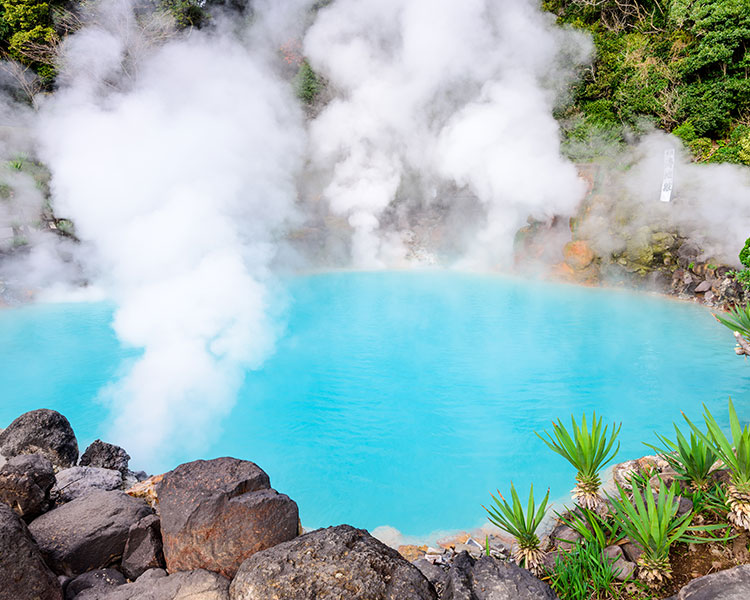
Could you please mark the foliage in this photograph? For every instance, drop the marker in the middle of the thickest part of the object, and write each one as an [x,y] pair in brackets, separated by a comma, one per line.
[583,572]
[587,450]
[593,528]
[521,526]
[738,319]
[681,64]
[652,522]
[27,34]
[692,461]
[307,83]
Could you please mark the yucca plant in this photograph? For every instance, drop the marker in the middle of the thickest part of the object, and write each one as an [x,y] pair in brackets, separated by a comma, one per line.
[693,462]
[592,528]
[522,527]
[736,457]
[737,320]
[653,524]
[587,450]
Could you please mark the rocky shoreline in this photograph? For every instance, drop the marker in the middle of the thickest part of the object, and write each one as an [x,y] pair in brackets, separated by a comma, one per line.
[91,529]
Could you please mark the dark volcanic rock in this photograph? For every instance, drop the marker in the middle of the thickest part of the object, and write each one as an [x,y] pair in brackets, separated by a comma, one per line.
[89,532]
[492,579]
[156,585]
[216,513]
[338,563]
[143,550]
[732,584]
[23,574]
[101,578]
[44,432]
[80,481]
[105,456]
[25,483]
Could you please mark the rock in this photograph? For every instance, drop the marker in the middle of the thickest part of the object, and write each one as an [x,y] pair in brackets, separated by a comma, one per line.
[146,489]
[105,456]
[632,551]
[436,575]
[143,550]
[216,513]
[157,585]
[563,537]
[702,287]
[44,432]
[337,563]
[732,584]
[101,578]
[411,552]
[25,483]
[578,254]
[23,574]
[492,579]
[612,553]
[89,532]
[80,481]
[623,569]
[622,472]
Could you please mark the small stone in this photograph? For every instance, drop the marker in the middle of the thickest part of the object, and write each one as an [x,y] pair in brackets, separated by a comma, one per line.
[702,287]
[631,551]
[623,569]
[612,553]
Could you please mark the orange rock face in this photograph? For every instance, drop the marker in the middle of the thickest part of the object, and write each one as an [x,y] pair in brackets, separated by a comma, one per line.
[578,254]
[146,489]
[412,553]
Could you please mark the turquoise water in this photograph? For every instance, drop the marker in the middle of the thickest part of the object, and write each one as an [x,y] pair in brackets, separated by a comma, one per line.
[403,398]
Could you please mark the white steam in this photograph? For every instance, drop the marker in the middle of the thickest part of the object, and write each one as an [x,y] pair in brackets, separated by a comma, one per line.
[178,167]
[457,93]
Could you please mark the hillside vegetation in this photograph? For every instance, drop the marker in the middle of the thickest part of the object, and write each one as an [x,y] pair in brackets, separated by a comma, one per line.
[681,65]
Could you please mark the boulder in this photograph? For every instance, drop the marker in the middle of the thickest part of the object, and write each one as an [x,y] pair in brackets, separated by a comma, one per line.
[105,456]
[89,532]
[25,483]
[337,563]
[76,482]
[157,585]
[490,579]
[44,432]
[23,574]
[216,513]
[143,550]
[101,578]
[435,574]
[732,584]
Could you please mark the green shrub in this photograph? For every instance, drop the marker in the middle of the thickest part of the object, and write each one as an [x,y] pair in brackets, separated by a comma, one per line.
[307,83]
[693,462]
[582,573]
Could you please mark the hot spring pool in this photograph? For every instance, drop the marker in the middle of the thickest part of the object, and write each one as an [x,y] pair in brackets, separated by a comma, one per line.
[402,398]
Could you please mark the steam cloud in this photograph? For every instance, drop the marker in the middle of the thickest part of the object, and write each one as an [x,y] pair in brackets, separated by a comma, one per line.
[177,163]
[453,94]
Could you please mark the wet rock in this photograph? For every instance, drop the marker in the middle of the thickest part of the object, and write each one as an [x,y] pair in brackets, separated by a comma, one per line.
[492,579]
[89,532]
[101,578]
[337,563]
[44,432]
[732,584]
[25,484]
[23,573]
[157,585]
[216,513]
[105,456]
[80,481]
[143,550]
[578,254]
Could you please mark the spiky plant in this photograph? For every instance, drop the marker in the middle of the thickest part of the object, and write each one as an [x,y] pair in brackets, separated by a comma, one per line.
[736,457]
[653,524]
[522,527]
[693,462]
[737,320]
[587,450]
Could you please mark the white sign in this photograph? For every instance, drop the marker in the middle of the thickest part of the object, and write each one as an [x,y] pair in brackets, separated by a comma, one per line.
[668,182]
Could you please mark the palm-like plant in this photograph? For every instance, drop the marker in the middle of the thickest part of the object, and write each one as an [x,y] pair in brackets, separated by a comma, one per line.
[653,524]
[736,457]
[522,527]
[587,450]
[693,462]
[738,320]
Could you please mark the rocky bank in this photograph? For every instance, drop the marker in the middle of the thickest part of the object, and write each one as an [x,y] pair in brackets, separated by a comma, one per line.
[216,530]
